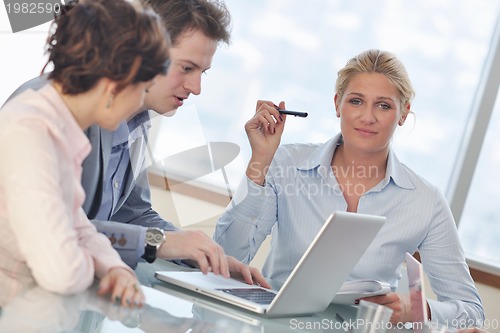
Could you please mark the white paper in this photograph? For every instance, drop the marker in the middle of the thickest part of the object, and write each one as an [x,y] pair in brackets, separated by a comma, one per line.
[355,289]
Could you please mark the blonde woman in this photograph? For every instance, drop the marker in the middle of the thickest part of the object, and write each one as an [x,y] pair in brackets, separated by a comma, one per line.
[290,191]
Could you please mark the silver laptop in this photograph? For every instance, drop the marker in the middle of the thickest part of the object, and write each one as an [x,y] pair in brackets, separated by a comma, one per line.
[314,281]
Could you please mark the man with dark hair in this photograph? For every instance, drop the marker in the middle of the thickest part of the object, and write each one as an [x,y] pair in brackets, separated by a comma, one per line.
[114,175]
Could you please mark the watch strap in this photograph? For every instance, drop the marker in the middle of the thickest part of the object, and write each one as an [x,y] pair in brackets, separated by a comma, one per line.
[149,253]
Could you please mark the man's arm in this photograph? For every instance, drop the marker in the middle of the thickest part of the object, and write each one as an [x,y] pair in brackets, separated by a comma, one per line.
[127,239]
[191,245]
[127,226]
[137,208]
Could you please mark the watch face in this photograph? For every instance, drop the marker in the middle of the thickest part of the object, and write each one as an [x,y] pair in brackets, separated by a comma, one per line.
[154,237]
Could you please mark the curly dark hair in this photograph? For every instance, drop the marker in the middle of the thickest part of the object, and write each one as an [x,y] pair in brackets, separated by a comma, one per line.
[114,39]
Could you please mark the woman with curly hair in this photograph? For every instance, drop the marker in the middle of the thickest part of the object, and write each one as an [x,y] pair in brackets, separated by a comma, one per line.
[105,55]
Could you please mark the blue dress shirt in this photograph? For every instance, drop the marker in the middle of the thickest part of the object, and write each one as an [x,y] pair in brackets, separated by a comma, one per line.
[115,174]
[301,191]
[115,180]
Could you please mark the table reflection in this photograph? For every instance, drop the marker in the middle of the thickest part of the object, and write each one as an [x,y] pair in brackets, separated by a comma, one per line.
[167,309]
[37,310]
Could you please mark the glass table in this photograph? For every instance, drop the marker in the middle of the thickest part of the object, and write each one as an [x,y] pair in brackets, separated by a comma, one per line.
[167,309]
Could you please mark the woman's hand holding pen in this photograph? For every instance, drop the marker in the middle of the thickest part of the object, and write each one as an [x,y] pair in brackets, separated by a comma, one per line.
[265,128]
[264,132]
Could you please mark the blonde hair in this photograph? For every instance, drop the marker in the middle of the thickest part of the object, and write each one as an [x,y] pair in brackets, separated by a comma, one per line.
[377,61]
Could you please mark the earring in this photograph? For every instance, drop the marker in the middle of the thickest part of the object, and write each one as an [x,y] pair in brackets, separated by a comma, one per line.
[110,100]
[401,122]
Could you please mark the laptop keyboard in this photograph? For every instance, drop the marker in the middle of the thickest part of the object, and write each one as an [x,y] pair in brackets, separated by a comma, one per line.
[257,295]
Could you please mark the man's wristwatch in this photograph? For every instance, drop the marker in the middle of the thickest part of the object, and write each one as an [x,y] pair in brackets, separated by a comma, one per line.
[154,238]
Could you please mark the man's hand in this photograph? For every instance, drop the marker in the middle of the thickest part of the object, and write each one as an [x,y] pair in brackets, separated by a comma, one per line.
[250,275]
[208,256]
[197,246]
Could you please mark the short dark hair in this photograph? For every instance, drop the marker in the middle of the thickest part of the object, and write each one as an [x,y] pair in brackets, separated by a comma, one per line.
[96,39]
[209,16]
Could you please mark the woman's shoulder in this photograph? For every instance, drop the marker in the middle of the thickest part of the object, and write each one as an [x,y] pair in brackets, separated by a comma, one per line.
[300,148]
[29,108]
[296,152]
[307,155]
[419,182]
[33,84]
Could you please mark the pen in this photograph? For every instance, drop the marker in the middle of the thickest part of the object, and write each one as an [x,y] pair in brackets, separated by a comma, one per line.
[293,113]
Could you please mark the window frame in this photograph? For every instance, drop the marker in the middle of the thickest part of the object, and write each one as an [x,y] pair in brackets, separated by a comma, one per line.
[473,138]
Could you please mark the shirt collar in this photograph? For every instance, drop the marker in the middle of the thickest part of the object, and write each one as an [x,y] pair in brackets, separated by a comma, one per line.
[129,131]
[120,135]
[322,157]
[138,126]
[397,172]
[137,120]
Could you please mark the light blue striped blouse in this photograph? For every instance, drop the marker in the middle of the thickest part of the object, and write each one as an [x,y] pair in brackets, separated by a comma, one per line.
[301,191]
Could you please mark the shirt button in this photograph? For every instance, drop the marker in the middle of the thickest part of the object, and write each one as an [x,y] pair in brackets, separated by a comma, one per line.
[122,241]
[117,184]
